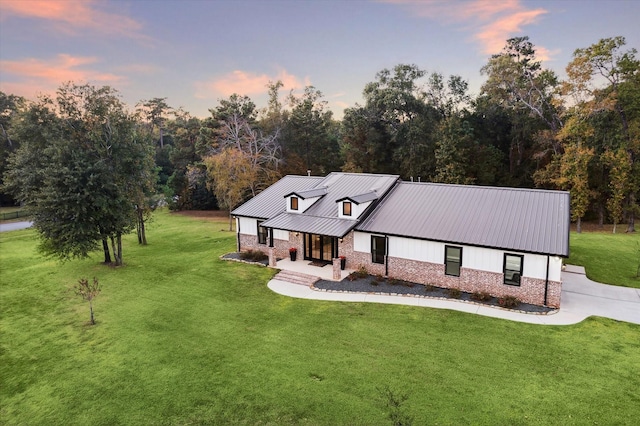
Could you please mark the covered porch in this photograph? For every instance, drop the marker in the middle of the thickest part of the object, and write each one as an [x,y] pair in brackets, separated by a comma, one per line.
[308,267]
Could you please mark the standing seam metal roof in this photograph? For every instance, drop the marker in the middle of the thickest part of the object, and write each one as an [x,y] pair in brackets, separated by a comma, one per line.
[526,220]
[270,202]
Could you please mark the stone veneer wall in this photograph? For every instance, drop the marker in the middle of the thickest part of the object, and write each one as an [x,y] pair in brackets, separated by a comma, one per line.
[250,242]
[530,290]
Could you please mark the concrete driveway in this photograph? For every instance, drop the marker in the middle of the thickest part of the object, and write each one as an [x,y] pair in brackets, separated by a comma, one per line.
[582,298]
[14,226]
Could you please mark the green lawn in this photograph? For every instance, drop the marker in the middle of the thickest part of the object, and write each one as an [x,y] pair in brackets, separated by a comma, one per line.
[184,338]
[608,258]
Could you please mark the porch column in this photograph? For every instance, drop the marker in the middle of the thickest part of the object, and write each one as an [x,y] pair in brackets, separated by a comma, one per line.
[337,274]
[272,257]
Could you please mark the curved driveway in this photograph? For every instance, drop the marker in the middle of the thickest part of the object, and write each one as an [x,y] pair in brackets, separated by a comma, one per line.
[581,298]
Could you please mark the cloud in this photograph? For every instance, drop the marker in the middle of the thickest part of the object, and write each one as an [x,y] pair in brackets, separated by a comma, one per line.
[33,76]
[71,16]
[246,83]
[491,22]
[494,35]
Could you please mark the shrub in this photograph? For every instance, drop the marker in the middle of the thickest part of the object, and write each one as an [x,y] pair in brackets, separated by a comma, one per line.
[429,288]
[361,272]
[454,293]
[393,281]
[253,255]
[481,296]
[379,278]
[508,301]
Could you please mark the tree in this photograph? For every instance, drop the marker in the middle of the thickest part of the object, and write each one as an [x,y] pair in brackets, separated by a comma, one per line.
[309,136]
[80,170]
[10,105]
[155,111]
[230,176]
[619,162]
[453,146]
[605,61]
[516,79]
[88,291]
[397,99]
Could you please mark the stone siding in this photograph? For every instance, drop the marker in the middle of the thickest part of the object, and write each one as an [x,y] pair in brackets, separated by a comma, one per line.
[530,291]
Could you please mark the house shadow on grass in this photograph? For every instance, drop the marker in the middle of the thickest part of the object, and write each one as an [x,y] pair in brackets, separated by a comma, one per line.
[390,286]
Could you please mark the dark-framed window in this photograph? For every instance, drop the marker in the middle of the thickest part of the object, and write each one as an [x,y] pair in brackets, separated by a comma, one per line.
[378,249]
[263,233]
[452,260]
[346,208]
[294,203]
[513,268]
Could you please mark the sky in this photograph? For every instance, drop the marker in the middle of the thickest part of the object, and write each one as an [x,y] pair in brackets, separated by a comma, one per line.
[196,52]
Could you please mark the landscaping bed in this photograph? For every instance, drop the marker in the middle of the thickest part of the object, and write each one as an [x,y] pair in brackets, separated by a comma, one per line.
[380,285]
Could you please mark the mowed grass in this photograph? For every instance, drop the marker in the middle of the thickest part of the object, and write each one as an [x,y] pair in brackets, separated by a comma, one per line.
[184,338]
[608,258]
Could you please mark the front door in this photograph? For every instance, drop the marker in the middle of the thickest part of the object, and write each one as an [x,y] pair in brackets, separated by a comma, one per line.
[320,247]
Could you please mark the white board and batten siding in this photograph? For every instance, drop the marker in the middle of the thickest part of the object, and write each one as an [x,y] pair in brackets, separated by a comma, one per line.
[249,226]
[479,258]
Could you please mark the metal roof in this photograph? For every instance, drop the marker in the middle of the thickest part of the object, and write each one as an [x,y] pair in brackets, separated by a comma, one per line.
[331,226]
[343,185]
[270,202]
[309,193]
[525,220]
[362,198]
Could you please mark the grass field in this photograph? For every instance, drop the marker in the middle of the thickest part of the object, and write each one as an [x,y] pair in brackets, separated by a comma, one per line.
[609,258]
[184,338]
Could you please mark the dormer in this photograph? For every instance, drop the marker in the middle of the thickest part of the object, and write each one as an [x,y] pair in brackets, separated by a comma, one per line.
[298,202]
[353,207]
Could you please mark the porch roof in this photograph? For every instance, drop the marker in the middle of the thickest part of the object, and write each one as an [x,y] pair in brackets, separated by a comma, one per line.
[294,222]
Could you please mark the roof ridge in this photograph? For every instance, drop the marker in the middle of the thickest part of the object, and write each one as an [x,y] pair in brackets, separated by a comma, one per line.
[501,188]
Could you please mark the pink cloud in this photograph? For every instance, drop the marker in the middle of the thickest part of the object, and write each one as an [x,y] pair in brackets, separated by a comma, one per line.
[33,76]
[246,83]
[69,16]
[493,35]
[491,21]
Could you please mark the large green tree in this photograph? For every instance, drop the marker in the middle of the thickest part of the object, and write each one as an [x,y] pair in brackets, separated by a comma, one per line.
[80,169]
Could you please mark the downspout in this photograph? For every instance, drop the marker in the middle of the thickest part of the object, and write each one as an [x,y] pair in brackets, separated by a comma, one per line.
[386,256]
[546,283]
[270,237]
[238,234]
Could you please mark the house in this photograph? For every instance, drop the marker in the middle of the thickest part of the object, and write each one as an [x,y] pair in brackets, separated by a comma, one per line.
[504,241]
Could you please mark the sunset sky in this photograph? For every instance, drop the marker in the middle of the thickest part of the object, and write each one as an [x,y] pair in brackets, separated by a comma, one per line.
[197,52]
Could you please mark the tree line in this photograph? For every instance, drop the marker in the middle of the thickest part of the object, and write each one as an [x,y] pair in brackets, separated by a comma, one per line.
[83,154]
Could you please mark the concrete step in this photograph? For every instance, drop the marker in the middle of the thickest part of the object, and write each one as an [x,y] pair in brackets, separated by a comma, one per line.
[296,278]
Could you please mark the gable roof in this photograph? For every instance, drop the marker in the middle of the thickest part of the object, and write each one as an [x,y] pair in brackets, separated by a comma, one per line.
[322,216]
[270,202]
[526,220]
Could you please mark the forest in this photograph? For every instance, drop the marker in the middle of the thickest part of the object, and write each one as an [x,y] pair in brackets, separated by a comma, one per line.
[83,148]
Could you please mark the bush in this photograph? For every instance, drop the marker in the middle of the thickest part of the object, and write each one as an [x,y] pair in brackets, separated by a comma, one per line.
[454,293]
[253,255]
[393,281]
[429,288]
[361,272]
[508,301]
[481,296]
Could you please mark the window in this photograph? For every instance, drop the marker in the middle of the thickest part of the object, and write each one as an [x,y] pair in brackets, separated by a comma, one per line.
[346,208]
[452,260]
[512,268]
[294,203]
[378,249]
[263,233]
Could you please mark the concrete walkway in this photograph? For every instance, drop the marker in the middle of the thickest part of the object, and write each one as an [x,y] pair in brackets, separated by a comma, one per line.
[581,298]
[14,226]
